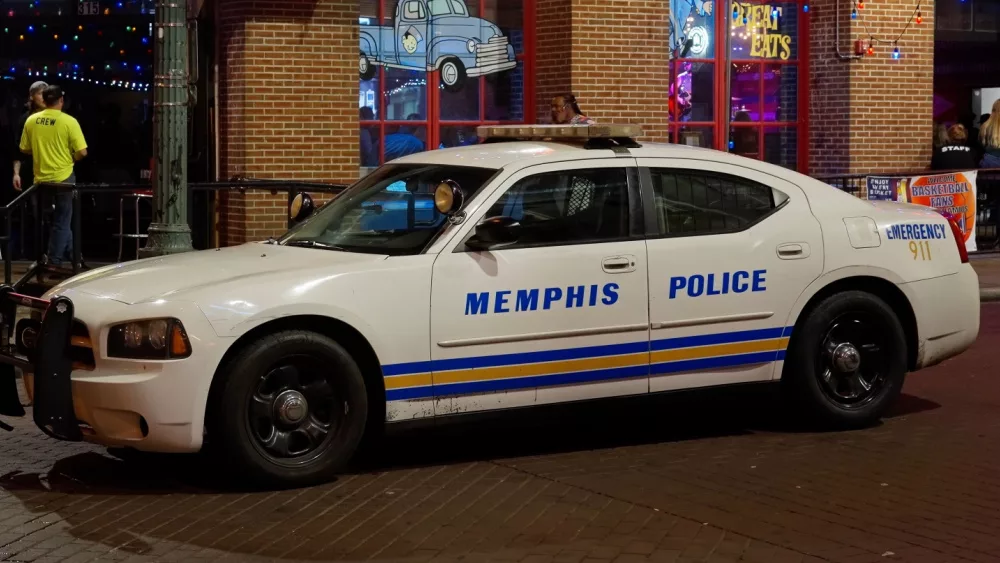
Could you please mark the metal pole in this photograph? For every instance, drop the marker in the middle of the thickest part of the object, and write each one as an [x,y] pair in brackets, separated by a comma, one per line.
[77,232]
[8,274]
[169,232]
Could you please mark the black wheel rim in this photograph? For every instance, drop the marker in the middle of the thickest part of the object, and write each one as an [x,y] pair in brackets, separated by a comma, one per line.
[853,360]
[295,410]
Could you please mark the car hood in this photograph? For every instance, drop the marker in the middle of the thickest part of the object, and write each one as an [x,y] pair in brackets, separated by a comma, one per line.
[179,274]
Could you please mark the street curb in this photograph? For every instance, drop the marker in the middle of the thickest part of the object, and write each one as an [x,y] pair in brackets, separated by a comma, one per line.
[988,294]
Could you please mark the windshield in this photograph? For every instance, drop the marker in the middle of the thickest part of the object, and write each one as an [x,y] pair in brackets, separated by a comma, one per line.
[390,211]
[439,7]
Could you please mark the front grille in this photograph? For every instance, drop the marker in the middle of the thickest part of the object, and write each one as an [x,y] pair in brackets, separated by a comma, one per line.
[492,52]
[81,349]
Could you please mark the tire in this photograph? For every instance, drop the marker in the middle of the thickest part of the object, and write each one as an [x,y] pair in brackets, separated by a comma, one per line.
[366,70]
[453,74]
[817,380]
[273,377]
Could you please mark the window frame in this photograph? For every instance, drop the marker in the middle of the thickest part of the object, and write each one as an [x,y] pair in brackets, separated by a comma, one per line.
[432,123]
[722,62]
[648,190]
[636,219]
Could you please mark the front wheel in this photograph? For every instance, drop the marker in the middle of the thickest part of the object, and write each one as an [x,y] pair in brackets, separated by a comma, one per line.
[453,74]
[291,411]
[847,361]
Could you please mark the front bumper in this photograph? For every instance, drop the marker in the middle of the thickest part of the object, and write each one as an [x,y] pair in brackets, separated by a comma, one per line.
[79,393]
[50,360]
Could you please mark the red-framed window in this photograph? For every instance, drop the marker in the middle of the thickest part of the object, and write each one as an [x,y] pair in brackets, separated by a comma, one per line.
[474,77]
[741,82]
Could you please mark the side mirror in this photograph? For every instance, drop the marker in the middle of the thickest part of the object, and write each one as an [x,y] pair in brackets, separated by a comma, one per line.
[301,207]
[494,232]
[449,198]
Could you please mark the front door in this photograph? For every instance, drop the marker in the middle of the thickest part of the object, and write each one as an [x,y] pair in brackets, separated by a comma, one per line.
[731,250]
[411,34]
[559,315]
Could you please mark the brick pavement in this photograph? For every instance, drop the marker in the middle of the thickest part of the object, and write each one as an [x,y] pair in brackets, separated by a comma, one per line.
[695,477]
[988,268]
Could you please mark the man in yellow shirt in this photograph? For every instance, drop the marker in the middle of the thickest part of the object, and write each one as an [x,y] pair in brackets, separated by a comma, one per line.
[55,142]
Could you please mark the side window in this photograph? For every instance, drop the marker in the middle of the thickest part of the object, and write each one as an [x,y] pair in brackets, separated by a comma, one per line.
[692,202]
[413,10]
[568,207]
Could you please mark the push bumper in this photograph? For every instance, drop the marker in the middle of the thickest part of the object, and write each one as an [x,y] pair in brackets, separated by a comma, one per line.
[42,348]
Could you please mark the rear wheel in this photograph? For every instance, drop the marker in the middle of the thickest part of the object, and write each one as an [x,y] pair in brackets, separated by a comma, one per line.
[292,409]
[847,362]
[366,70]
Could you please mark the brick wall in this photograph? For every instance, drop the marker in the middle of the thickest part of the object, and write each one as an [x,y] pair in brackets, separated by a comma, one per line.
[290,88]
[552,46]
[892,101]
[611,54]
[289,96]
[872,114]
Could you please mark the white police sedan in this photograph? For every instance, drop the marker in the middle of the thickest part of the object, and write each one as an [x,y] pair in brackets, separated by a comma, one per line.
[546,265]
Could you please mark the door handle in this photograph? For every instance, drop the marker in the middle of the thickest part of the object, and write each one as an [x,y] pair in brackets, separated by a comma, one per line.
[793,251]
[618,264]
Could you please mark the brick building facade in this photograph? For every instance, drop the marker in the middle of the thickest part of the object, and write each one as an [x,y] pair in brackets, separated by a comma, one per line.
[291,83]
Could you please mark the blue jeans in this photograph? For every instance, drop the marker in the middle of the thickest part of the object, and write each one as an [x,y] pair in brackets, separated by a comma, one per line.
[990,161]
[61,236]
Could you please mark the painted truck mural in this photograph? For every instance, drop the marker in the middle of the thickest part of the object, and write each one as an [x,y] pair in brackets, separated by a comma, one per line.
[436,35]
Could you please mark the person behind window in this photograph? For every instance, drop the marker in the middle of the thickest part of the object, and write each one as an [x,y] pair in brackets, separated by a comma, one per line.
[55,142]
[989,134]
[745,142]
[369,147]
[940,136]
[566,111]
[955,154]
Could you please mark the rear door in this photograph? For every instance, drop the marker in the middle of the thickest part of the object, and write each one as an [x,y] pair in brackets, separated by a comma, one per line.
[730,251]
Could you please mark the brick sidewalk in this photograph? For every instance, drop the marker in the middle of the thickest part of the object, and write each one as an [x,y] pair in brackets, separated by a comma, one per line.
[687,479]
[988,268]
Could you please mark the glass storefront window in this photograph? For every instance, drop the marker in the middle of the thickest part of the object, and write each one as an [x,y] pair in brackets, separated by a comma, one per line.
[780,92]
[695,20]
[478,72]
[696,136]
[744,80]
[764,31]
[694,91]
[780,146]
[405,95]
[749,89]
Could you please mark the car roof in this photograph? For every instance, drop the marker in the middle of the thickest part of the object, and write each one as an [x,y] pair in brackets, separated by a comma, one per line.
[518,154]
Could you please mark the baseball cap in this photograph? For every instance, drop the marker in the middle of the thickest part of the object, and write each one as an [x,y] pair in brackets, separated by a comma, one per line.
[36,87]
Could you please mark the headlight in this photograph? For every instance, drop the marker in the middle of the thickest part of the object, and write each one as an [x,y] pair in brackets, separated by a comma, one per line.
[151,339]
[472,45]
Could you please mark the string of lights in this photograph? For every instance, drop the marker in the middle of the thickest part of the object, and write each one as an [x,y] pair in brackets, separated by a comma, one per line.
[47,7]
[915,16]
[116,83]
[40,39]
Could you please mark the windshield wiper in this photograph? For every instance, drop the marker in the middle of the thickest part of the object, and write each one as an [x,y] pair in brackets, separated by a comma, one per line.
[309,243]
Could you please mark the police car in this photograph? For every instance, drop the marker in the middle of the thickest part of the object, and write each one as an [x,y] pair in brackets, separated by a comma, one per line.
[548,264]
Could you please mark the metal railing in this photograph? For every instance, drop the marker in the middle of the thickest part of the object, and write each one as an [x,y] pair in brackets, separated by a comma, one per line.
[987,199]
[34,197]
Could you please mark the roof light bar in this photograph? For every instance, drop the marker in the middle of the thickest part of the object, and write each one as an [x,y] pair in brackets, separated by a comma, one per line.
[539,132]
